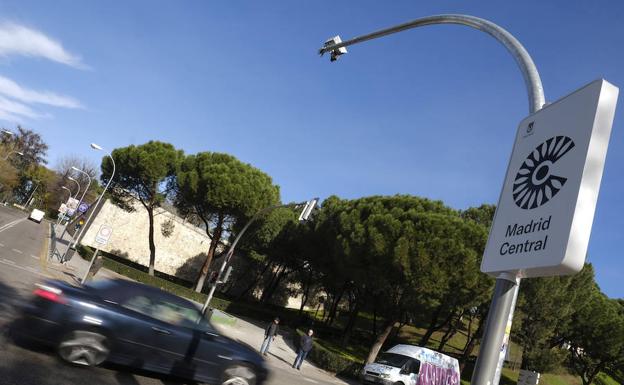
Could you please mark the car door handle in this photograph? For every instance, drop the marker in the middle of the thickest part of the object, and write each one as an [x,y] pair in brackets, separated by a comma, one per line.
[161,331]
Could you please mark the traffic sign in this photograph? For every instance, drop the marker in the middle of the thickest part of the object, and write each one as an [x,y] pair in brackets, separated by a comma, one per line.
[63,208]
[72,203]
[104,234]
[545,211]
[83,207]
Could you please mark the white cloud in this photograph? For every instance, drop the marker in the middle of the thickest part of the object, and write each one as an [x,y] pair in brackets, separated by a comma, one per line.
[17,39]
[13,90]
[14,111]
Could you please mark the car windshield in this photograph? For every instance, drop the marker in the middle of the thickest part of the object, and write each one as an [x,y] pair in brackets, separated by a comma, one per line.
[392,359]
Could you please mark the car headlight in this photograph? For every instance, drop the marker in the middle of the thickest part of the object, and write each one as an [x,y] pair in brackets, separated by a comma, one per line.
[384,375]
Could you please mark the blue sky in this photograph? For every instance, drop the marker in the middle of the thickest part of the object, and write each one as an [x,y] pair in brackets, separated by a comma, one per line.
[430,112]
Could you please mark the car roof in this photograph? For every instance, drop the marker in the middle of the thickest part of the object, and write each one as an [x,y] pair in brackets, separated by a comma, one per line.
[124,289]
[426,355]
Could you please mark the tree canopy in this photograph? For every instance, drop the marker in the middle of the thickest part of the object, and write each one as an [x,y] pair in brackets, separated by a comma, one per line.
[146,173]
[222,191]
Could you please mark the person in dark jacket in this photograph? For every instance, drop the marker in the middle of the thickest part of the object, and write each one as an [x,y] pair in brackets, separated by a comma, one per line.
[269,335]
[305,345]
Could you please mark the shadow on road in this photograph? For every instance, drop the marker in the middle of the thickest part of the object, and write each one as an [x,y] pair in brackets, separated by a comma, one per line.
[9,297]
[280,358]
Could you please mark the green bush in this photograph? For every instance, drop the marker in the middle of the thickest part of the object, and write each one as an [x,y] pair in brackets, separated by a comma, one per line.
[330,361]
[143,277]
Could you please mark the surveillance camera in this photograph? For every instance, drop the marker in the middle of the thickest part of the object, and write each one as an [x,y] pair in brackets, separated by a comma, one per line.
[335,53]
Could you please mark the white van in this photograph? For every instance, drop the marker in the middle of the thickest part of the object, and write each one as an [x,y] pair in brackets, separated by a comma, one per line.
[36,215]
[411,365]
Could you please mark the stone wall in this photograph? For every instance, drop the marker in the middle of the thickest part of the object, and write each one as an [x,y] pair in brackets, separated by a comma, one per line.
[180,254]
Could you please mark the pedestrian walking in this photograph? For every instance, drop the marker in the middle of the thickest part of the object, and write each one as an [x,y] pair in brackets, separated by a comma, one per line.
[269,335]
[305,345]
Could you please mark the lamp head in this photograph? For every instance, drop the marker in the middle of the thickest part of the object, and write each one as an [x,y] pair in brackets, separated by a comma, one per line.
[96,147]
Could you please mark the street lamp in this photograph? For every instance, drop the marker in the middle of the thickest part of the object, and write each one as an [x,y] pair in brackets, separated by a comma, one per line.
[13,152]
[88,183]
[490,357]
[99,148]
[61,217]
[305,214]
[77,184]
[81,197]
[7,132]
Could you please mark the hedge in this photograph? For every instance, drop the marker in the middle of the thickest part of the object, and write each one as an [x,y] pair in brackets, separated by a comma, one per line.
[162,283]
[330,361]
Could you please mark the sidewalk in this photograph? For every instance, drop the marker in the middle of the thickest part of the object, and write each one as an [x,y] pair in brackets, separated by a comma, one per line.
[73,270]
[281,355]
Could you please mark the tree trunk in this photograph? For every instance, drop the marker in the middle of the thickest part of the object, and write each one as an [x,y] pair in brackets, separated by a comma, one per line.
[306,293]
[379,341]
[334,308]
[214,242]
[346,335]
[375,322]
[432,327]
[451,331]
[152,244]
[255,281]
[269,291]
[472,342]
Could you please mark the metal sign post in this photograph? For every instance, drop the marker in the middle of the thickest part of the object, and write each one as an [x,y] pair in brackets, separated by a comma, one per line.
[102,237]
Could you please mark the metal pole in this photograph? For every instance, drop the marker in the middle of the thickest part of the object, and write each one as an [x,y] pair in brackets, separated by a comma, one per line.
[79,202]
[84,278]
[506,289]
[77,184]
[230,252]
[95,205]
[31,195]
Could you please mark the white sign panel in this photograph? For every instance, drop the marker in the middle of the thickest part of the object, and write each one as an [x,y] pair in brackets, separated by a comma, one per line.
[103,235]
[72,204]
[63,208]
[545,212]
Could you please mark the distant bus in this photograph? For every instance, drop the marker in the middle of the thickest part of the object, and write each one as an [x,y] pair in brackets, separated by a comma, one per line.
[412,365]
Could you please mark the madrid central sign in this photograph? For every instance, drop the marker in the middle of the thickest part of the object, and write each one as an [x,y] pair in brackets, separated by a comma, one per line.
[545,212]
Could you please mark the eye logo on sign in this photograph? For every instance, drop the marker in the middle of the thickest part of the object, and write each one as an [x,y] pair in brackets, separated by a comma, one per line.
[535,184]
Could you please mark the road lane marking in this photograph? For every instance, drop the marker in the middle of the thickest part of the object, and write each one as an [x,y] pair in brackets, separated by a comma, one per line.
[310,380]
[34,256]
[1,245]
[8,261]
[17,251]
[11,224]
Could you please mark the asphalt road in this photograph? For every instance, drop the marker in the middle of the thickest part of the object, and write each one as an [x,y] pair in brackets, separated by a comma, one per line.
[23,262]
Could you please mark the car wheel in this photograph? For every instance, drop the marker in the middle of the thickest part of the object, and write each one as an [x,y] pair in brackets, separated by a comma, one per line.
[239,375]
[83,348]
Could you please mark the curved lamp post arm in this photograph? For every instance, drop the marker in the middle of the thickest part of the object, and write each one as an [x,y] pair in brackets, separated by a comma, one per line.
[77,184]
[13,152]
[230,251]
[88,183]
[98,200]
[489,361]
[523,59]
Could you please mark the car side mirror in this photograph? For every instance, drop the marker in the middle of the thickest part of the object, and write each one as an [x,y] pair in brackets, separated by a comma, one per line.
[404,371]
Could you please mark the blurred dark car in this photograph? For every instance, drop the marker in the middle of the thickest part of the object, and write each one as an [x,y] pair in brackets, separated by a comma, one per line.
[139,326]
